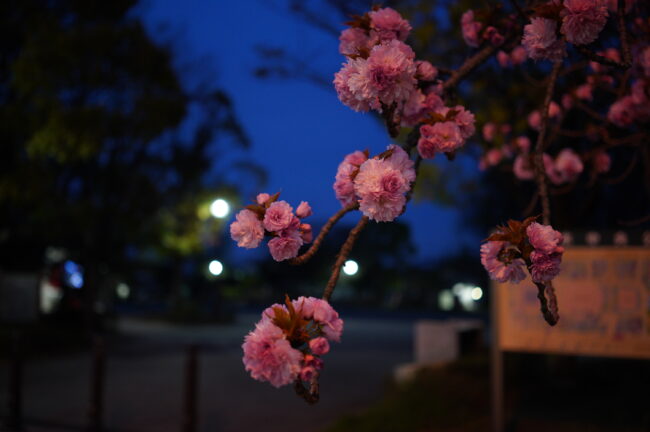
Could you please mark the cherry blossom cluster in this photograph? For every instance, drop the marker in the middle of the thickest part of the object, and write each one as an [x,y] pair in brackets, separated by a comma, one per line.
[288,342]
[275,219]
[378,184]
[480,26]
[566,167]
[634,107]
[523,245]
[579,22]
[382,74]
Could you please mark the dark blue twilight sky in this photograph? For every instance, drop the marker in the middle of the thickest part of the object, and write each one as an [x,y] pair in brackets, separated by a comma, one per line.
[299,131]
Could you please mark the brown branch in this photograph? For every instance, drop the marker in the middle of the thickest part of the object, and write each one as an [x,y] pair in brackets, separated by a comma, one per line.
[628,170]
[600,59]
[469,65]
[634,222]
[548,302]
[538,159]
[622,31]
[342,256]
[519,10]
[531,205]
[321,235]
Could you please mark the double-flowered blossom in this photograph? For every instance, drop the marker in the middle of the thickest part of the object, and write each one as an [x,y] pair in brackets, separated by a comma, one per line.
[520,245]
[288,341]
[540,40]
[275,219]
[378,184]
[546,257]
[445,131]
[583,20]
[387,76]
[382,183]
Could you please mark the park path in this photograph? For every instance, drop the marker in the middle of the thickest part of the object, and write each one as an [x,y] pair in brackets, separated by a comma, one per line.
[144,387]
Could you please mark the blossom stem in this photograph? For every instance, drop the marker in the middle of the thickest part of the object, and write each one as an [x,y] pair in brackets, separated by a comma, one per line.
[311,395]
[548,302]
[342,256]
[538,159]
[321,235]
[469,65]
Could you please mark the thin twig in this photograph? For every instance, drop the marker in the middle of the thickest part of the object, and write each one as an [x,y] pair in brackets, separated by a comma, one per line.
[519,10]
[342,256]
[600,59]
[622,31]
[538,159]
[321,235]
[469,65]
[531,205]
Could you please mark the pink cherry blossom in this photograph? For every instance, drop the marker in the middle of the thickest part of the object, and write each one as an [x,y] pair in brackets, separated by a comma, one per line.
[465,121]
[583,20]
[286,245]
[544,238]
[493,35]
[400,161]
[602,162]
[306,233]
[544,267]
[489,131]
[319,346]
[262,198]
[278,216]
[418,106]
[352,40]
[567,101]
[247,229]
[622,112]
[343,185]
[268,356]
[342,85]
[387,76]
[381,190]
[425,71]
[307,373]
[568,167]
[303,210]
[498,270]
[522,143]
[541,42]
[471,29]
[535,120]
[503,59]
[388,24]
[442,137]
[323,313]
[518,55]
[522,167]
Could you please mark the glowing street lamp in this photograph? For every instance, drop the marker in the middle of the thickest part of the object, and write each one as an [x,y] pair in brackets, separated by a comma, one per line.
[219,208]
[215,267]
[350,267]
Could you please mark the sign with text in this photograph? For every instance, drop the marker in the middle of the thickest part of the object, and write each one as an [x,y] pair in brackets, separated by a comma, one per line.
[604,303]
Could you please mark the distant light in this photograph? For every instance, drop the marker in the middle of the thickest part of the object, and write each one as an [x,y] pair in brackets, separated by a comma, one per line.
[73,274]
[219,208]
[215,267]
[446,300]
[350,267]
[76,280]
[123,290]
[477,293]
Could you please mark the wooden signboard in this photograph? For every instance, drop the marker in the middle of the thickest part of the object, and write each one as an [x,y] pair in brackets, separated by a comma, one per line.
[604,300]
[604,303]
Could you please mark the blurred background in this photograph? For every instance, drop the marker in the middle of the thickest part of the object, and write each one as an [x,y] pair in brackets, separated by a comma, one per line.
[133,131]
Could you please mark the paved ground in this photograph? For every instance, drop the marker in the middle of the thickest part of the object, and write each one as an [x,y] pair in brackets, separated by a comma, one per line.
[145,372]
